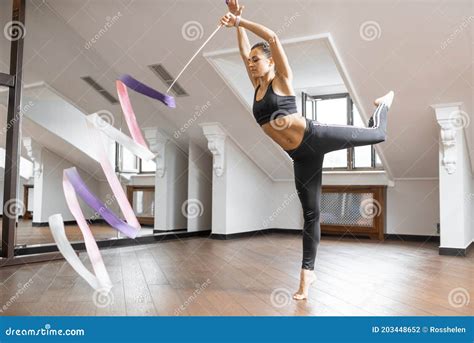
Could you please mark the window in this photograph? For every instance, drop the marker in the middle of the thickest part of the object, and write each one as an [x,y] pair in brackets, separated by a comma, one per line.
[147,167]
[340,110]
[127,162]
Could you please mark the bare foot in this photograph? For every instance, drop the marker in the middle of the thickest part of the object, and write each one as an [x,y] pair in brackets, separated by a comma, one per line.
[386,99]
[306,279]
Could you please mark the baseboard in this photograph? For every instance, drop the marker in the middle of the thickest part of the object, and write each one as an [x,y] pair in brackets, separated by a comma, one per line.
[253,233]
[69,222]
[418,238]
[111,243]
[412,238]
[114,243]
[463,252]
[170,230]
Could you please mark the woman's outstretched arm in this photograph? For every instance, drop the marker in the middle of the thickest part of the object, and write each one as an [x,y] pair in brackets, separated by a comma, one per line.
[244,48]
[242,39]
[278,53]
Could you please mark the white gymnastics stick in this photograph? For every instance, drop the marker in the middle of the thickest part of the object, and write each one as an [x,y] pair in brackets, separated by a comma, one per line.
[197,52]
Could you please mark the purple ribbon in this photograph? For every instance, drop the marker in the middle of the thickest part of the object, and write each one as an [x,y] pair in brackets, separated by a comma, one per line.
[141,88]
[95,203]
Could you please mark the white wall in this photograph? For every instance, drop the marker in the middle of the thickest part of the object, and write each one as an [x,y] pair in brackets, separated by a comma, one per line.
[469,215]
[25,174]
[467,192]
[31,197]
[412,204]
[413,207]
[104,192]
[284,208]
[246,199]
[341,178]
[44,121]
[177,166]
[49,190]
[246,193]
[22,182]
[472,209]
[171,190]
[142,180]
[50,114]
[468,196]
[199,189]
[456,196]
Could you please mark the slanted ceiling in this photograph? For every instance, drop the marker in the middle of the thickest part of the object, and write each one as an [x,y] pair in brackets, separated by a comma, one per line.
[420,49]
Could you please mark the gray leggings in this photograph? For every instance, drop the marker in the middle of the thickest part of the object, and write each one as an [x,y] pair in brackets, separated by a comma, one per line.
[308,157]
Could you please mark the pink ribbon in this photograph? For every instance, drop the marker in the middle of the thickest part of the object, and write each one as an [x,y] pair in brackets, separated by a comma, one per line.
[129,115]
[96,128]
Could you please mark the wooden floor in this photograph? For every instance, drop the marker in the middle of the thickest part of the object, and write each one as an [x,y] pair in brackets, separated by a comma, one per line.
[251,276]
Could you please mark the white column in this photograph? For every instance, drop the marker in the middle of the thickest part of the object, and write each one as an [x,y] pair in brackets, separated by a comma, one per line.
[216,143]
[199,202]
[157,141]
[454,177]
[34,151]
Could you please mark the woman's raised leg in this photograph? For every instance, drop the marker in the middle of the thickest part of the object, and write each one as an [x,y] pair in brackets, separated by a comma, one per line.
[335,137]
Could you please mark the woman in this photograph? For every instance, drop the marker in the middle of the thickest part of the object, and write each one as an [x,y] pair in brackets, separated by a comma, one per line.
[306,141]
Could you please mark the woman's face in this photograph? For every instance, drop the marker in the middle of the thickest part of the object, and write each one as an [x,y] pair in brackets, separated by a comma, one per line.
[259,64]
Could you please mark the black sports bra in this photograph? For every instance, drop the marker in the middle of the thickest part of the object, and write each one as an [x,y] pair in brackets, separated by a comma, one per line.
[272,105]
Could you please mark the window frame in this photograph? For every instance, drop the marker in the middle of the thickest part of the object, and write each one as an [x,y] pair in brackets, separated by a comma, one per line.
[140,169]
[349,120]
[119,163]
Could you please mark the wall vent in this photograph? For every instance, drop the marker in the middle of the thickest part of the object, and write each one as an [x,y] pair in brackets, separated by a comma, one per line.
[167,79]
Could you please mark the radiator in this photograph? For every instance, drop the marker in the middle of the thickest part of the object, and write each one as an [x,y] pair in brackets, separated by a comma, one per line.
[349,209]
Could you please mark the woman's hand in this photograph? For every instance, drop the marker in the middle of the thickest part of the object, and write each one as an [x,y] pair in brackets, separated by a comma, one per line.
[234,7]
[228,20]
